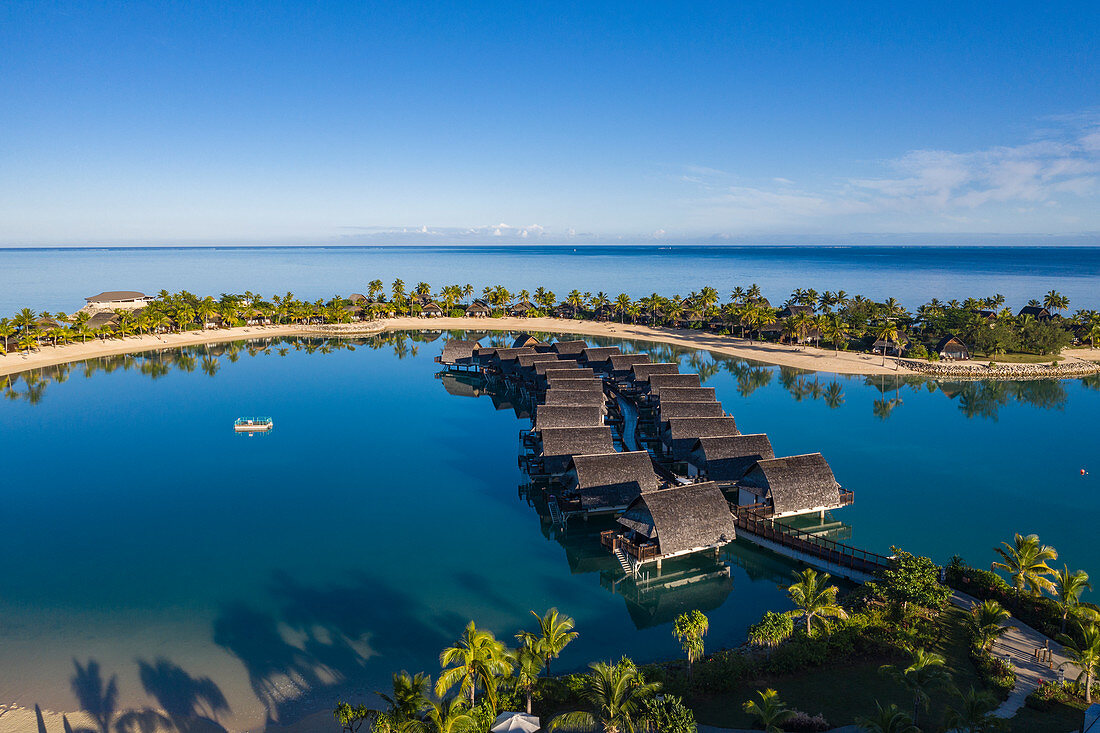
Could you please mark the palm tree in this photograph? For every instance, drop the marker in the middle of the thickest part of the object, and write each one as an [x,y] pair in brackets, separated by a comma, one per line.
[410,697]
[476,658]
[814,597]
[1085,653]
[1068,587]
[769,710]
[926,672]
[974,714]
[615,695]
[554,634]
[1025,561]
[690,628]
[888,333]
[887,720]
[1055,301]
[445,716]
[834,328]
[528,663]
[987,622]
[622,305]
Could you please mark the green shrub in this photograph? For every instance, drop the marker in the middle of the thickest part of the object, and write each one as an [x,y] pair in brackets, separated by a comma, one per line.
[669,715]
[996,674]
[806,723]
[772,630]
[1048,695]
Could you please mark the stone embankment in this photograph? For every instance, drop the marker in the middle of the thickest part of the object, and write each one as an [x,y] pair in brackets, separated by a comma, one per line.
[983,370]
[362,328]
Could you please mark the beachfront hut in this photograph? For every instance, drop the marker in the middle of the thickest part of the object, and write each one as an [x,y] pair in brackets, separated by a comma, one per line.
[620,365]
[557,446]
[522,309]
[891,348]
[477,310]
[431,310]
[671,522]
[572,349]
[1035,311]
[606,482]
[458,353]
[103,319]
[792,485]
[726,459]
[679,434]
[690,409]
[110,299]
[659,381]
[642,372]
[686,394]
[986,315]
[597,356]
[791,310]
[358,299]
[568,416]
[952,348]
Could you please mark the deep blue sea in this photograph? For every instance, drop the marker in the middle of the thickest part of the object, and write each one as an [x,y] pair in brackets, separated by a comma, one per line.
[59,279]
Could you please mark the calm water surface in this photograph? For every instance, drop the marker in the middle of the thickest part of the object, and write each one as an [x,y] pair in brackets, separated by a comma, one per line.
[385,510]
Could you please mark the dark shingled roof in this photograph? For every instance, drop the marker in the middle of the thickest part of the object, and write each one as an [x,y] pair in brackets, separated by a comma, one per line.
[691,409]
[623,362]
[680,433]
[556,396]
[1034,311]
[682,518]
[525,339]
[641,372]
[687,394]
[607,480]
[455,350]
[728,458]
[568,416]
[570,347]
[598,354]
[114,296]
[794,483]
[657,382]
[576,441]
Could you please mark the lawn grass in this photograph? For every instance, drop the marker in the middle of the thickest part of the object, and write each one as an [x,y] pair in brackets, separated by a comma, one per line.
[1059,719]
[848,689]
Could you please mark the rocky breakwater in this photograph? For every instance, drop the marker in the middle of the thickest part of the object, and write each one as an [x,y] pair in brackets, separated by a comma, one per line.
[994,370]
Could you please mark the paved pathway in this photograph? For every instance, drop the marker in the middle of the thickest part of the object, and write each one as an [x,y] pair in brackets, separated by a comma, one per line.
[1020,643]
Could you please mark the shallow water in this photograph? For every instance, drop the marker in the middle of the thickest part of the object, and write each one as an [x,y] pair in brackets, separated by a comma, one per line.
[383,512]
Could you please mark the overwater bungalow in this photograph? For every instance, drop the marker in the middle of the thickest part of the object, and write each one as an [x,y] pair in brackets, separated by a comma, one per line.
[556,396]
[657,382]
[669,409]
[525,339]
[554,373]
[507,359]
[597,356]
[953,349]
[642,372]
[677,521]
[111,299]
[557,446]
[477,310]
[431,310]
[792,485]
[568,416]
[541,367]
[620,366]
[458,353]
[580,384]
[678,435]
[528,361]
[726,459]
[605,482]
[570,348]
[686,394]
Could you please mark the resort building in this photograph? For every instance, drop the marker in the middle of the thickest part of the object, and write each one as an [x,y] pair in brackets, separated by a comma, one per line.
[477,310]
[641,373]
[568,416]
[620,366]
[458,353]
[690,409]
[112,299]
[686,394]
[953,349]
[680,520]
[605,482]
[678,435]
[597,356]
[659,381]
[576,397]
[557,446]
[522,309]
[791,486]
[726,459]
[1037,312]
[357,299]
[891,348]
[103,319]
[431,310]
[569,348]
[525,339]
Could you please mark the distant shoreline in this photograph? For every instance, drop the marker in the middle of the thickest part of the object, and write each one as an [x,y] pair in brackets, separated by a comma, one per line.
[532,245]
[1085,361]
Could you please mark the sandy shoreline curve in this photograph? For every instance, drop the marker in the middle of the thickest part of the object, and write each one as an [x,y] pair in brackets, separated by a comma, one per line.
[801,357]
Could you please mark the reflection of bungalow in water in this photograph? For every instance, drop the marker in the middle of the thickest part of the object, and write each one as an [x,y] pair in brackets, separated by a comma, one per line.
[430,310]
[726,459]
[477,310]
[952,348]
[557,446]
[461,385]
[891,348]
[621,366]
[659,600]
[597,356]
[678,435]
[671,409]
[458,353]
[673,522]
[605,482]
[568,416]
[111,299]
[792,485]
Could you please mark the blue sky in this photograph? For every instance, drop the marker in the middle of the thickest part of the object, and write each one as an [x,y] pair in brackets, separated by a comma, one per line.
[269,123]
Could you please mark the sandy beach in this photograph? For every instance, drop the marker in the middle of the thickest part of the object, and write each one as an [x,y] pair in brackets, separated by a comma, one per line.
[800,357]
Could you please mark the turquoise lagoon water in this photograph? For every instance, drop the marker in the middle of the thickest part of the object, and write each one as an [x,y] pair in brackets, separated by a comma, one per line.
[384,511]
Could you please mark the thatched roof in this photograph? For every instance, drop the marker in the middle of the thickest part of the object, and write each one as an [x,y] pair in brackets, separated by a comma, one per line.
[729,458]
[101,319]
[455,350]
[624,362]
[791,310]
[902,340]
[116,296]
[606,480]
[642,372]
[952,345]
[431,307]
[582,383]
[598,354]
[511,354]
[555,373]
[357,298]
[523,306]
[1034,311]
[687,394]
[794,484]
[657,382]
[525,339]
[567,416]
[671,409]
[682,518]
[528,360]
[477,307]
[570,347]
[576,441]
[556,396]
[681,433]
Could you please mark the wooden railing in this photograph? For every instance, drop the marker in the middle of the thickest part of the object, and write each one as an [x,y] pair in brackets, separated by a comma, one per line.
[807,542]
[614,540]
[847,497]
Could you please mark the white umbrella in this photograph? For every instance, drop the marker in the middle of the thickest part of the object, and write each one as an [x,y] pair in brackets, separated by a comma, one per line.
[515,723]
